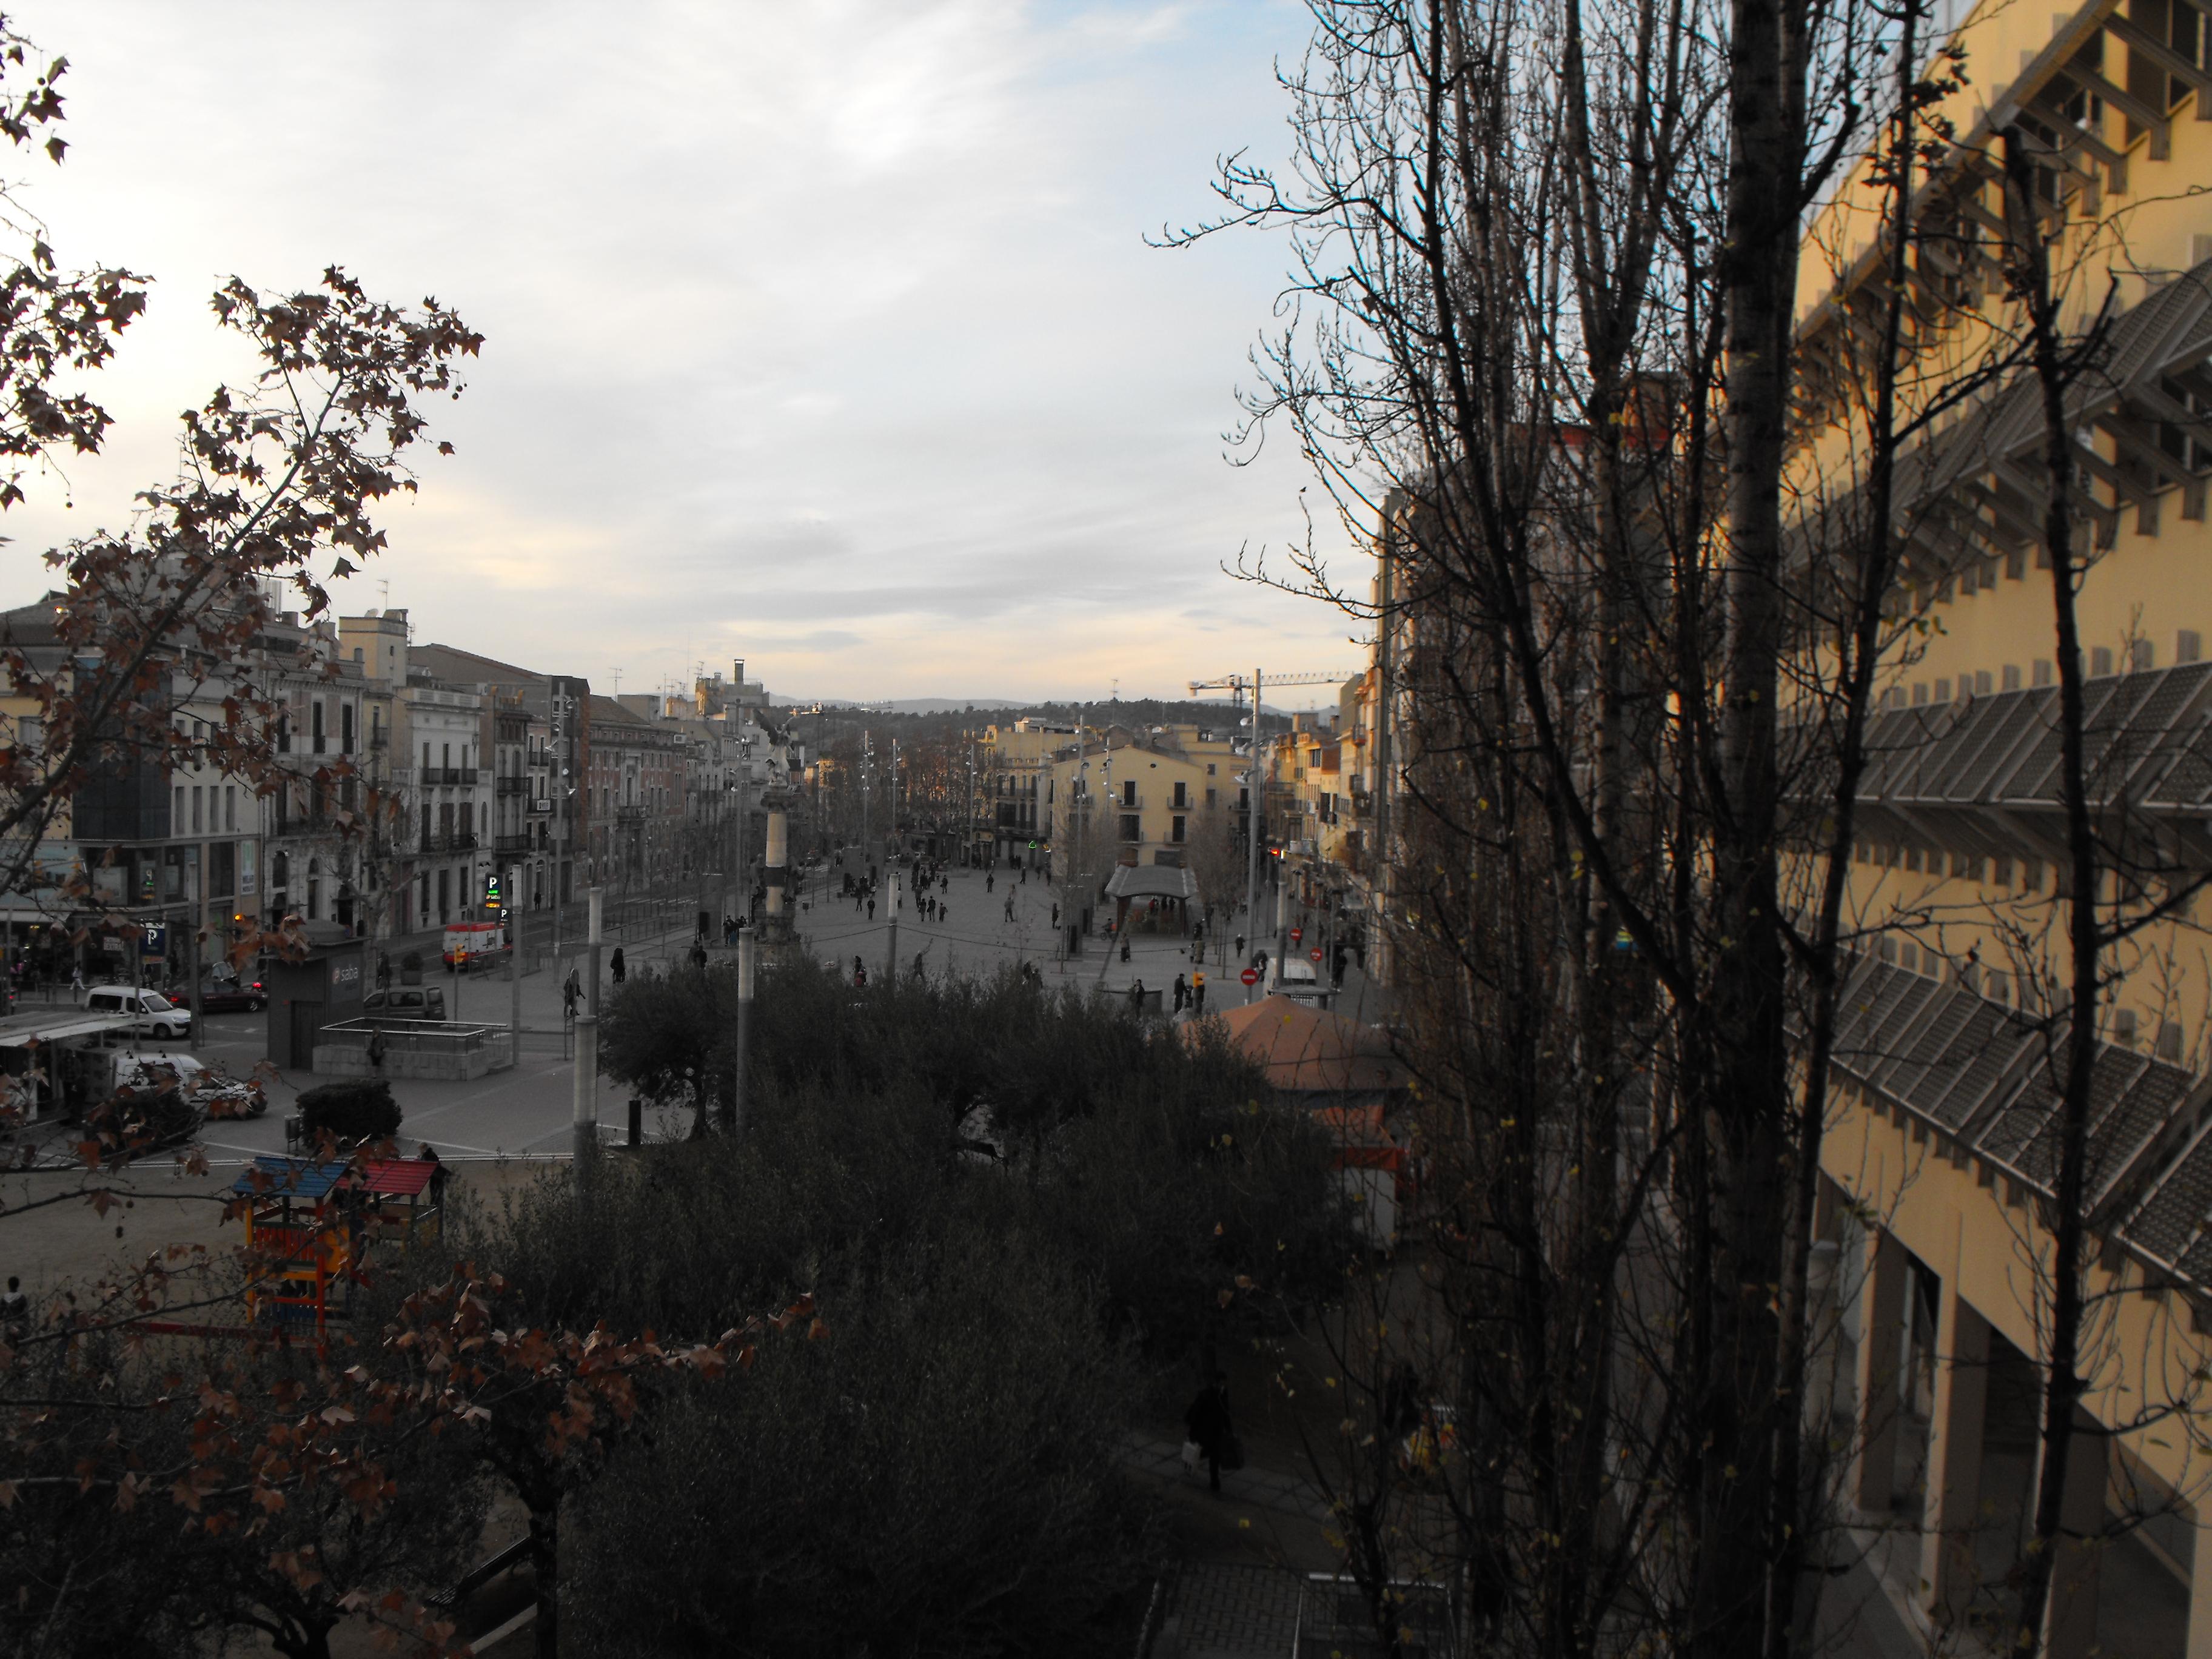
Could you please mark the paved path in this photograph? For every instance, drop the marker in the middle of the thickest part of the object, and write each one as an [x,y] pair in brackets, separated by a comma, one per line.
[1267,1488]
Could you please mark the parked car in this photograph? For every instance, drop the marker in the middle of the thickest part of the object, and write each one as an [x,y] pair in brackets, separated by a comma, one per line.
[157,1016]
[406,1002]
[231,995]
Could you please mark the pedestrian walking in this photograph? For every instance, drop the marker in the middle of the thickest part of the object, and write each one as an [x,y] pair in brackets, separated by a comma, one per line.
[16,1308]
[990,883]
[76,983]
[871,906]
[1209,1425]
[1055,915]
[1137,996]
[1198,996]
[1182,992]
[615,968]
[1240,944]
[571,989]
[1125,947]
[699,956]
[1010,907]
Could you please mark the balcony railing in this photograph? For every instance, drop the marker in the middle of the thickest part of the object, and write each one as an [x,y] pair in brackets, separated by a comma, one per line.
[512,785]
[451,841]
[507,845]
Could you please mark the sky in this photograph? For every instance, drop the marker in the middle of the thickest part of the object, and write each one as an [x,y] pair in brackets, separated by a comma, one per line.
[823,335]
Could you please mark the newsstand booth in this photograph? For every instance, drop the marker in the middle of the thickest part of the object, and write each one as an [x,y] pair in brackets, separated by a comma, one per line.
[323,987]
[52,1058]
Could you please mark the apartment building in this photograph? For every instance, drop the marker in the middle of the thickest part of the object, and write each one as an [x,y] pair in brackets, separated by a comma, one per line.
[1939,1167]
[1148,791]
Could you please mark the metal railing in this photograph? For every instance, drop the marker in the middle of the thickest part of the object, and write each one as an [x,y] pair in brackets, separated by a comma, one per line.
[411,1036]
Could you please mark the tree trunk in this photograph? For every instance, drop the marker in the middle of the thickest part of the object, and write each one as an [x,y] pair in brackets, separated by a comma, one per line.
[2062,1388]
[1745,1104]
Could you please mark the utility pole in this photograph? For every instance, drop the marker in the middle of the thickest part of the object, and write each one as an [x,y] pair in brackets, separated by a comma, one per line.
[1252,788]
[585,1115]
[890,954]
[745,1029]
[511,913]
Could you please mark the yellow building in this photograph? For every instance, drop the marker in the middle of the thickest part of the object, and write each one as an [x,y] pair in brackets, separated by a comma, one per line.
[1939,1156]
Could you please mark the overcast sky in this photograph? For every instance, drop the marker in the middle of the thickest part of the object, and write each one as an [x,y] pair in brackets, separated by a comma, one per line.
[821,334]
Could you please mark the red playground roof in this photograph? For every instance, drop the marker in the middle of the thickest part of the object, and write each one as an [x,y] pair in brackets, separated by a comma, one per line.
[398,1177]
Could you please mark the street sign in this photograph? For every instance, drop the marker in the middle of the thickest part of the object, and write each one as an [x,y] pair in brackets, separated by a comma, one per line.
[1296,935]
[1315,953]
[1250,975]
[157,942]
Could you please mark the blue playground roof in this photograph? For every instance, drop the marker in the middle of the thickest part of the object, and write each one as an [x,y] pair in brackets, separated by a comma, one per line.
[291,1178]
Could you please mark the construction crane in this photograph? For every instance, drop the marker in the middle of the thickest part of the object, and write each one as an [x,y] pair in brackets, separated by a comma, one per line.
[1238,683]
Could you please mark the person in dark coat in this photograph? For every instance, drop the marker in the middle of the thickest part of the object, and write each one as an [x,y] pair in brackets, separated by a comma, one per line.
[1182,992]
[1208,1424]
[615,969]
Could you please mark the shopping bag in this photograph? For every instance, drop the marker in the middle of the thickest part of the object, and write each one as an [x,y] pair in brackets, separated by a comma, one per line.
[1190,1456]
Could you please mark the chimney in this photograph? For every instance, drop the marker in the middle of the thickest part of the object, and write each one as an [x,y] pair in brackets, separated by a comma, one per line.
[738,674]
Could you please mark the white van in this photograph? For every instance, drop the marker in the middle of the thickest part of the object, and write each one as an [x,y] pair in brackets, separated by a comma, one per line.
[1298,978]
[157,1016]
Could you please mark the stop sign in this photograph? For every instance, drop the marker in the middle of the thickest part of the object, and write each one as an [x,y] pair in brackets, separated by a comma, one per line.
[1315,953]
[1296,934]
[1250,975]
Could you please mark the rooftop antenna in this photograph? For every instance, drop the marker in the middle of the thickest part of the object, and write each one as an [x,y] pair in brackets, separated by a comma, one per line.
[617,673]
[384,596]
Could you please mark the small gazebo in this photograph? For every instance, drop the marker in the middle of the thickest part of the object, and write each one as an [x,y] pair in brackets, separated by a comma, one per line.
[1151,887]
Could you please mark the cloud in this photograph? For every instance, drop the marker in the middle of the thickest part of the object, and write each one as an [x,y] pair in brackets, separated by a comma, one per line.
[821,330]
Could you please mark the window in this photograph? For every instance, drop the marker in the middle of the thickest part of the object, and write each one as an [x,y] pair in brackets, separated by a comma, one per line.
[2188,646]
[1129,792]
[1919,693]
[177,812]
[1943,691]
[1176,826]
[345,741]
[1133,827]
[2142,657]
[1212,796]
[426,767]
[315,712]
[199,823]
[1209,769]
[2043,673]
[230,806]
[1181,798]
[2012,677]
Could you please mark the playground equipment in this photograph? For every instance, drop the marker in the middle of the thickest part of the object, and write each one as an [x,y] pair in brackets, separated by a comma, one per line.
[309,1228]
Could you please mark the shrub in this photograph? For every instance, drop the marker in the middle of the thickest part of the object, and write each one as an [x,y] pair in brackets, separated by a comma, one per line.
[353,1108]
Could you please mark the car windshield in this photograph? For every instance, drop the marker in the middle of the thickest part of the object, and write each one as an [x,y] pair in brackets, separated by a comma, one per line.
[154,1003]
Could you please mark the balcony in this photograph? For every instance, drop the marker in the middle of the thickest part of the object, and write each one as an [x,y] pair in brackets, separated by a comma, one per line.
[630,813]
[512,846]
[452,841]
[512,785]
[378,737]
